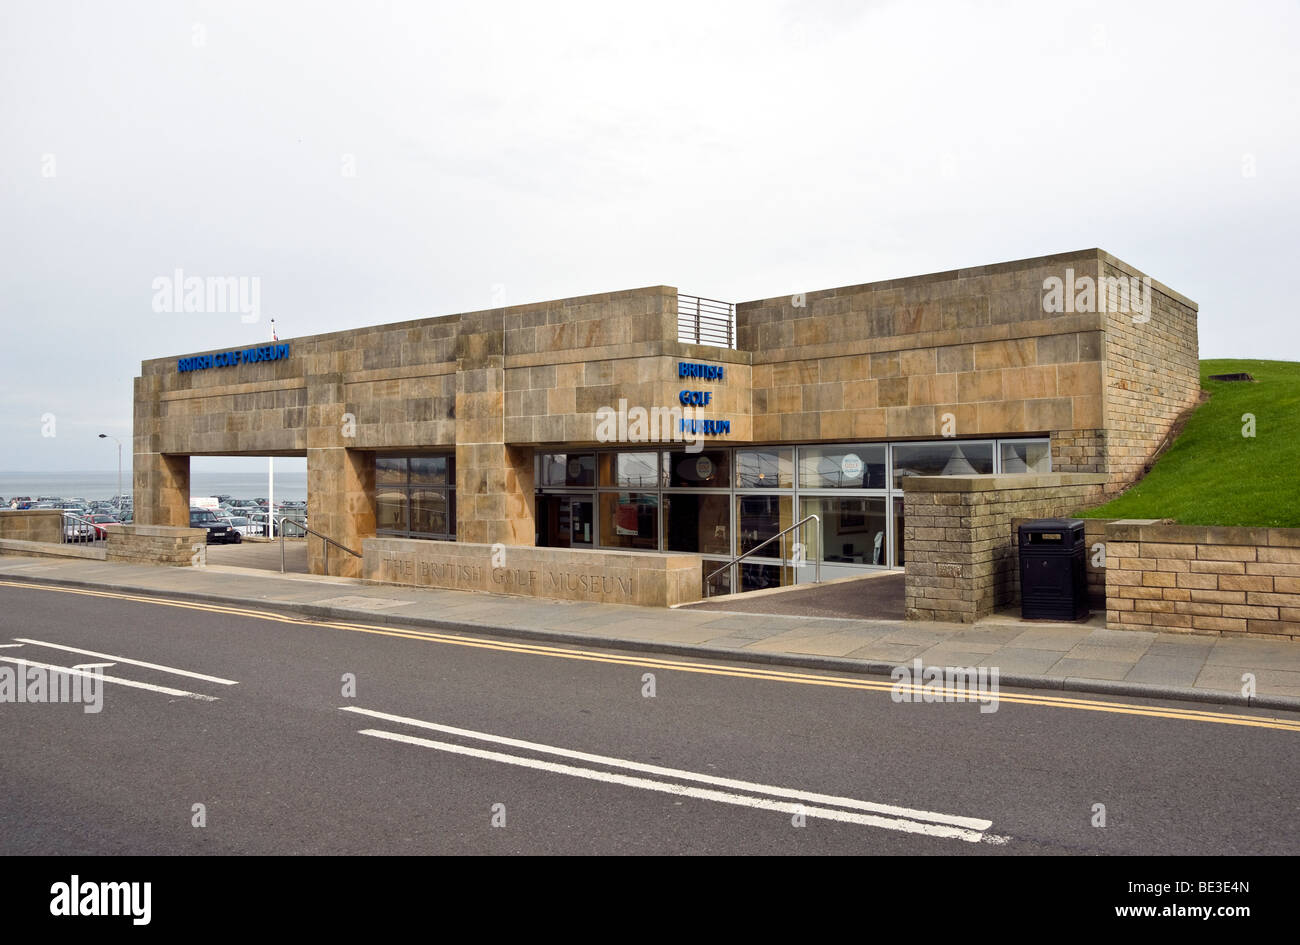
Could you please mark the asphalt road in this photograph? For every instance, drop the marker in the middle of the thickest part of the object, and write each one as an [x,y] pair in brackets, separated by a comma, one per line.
[279,761]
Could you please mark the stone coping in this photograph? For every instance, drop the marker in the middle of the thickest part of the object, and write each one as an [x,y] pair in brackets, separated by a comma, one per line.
[574,574]
[952,275]
[627,559]
[158,531]
[161,365]
[47,549]
[989,482]
[1160,530]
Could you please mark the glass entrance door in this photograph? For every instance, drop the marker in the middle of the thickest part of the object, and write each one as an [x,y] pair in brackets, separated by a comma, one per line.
[582,521]
[566,521]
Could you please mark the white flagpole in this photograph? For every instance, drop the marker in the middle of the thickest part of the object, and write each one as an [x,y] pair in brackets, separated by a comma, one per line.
[270,472]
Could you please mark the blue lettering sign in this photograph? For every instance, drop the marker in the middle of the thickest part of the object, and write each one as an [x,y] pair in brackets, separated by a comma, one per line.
[201,362]
[708,372]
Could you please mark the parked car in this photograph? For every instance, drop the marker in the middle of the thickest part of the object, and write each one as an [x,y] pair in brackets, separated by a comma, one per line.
[76,529]
[245,526]
[219,533]
[101,521]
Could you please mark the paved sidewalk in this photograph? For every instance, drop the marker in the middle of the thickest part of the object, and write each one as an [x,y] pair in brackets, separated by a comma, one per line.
[1087,658]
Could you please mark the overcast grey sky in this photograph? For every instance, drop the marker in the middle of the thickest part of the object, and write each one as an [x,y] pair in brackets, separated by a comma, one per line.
[373,162]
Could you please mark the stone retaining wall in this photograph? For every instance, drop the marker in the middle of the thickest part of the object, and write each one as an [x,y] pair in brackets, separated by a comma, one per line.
[961,549]
[32,525]
[156,544]
[1197,579]
[49,549]
[609,577]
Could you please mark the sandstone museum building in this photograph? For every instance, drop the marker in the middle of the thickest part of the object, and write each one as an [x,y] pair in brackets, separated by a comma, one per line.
[684,430]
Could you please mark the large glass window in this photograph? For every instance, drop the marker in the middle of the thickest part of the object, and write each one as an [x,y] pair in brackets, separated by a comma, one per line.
[1027,456]
[858,466]
[853,528]
[756,577]
[428,470]
[630,470]
[708,469]
[629,520]
[721,501]
[415,496]
[765,468]
[430,511]
[955,458]
[699,523]
[390,511]
[758,518]
[390,470]
[566,469]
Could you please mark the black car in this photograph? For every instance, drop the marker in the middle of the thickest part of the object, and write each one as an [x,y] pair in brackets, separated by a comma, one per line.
[219,533]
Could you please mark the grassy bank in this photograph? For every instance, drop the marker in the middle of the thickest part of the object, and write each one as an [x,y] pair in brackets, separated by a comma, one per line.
[1212,474]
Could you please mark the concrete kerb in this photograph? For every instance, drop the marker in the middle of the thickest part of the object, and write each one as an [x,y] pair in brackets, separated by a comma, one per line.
[697,651]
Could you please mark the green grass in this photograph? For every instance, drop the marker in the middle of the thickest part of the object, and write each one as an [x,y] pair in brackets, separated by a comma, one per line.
[1212,475]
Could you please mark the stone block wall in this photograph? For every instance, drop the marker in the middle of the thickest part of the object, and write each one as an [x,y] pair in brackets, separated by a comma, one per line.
[967,352]
[566,360]
[962,559]
[1079,451]
[32,525]
[1152,374]
[1196,579]
[20,548]
[154,544]
[610,577]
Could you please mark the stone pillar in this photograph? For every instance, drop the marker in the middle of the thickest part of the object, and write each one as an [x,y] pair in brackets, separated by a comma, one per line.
[161,489]
[494,482]
[341,504]
[494,494]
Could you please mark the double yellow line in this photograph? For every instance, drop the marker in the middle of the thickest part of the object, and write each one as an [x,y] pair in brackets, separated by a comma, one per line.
[710,669]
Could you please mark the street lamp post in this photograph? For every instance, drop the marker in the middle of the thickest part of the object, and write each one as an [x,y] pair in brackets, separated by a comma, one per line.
[107,436]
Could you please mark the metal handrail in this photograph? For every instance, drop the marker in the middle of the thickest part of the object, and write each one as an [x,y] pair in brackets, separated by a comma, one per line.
[706,321]
[280,520]
[817,579]
[94,529]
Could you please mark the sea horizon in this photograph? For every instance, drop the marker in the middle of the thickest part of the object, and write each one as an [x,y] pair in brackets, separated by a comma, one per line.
[95,484]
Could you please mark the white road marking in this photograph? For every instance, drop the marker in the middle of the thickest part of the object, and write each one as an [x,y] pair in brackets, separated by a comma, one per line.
[972,823]
[9,646]
[72,671]
[123,659]
[684,790]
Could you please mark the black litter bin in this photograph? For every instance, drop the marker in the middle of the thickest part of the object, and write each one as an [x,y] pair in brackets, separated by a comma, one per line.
[1053,575]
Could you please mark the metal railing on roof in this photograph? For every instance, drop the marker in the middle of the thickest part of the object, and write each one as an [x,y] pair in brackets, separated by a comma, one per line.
[702,321]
